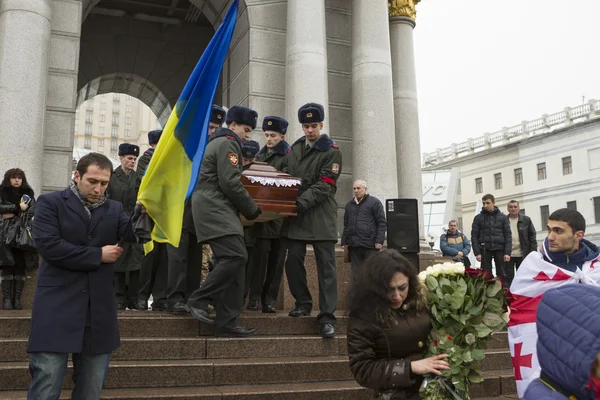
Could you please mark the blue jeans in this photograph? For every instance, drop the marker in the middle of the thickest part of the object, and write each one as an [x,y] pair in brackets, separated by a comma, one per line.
[48,373]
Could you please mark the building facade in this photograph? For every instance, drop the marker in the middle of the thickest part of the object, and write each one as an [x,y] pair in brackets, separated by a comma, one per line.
[105,121]
[555,165]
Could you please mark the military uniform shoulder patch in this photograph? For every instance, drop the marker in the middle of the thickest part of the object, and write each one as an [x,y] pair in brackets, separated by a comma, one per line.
[289,150]
[229,137]
[233,158]
[335,168]
[335,146]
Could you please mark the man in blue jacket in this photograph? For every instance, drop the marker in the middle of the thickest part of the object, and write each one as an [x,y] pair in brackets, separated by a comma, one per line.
[455,244]
[77,232]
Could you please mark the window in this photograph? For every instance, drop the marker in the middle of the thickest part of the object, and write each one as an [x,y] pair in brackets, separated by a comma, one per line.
[518,176]
[128,108]
[114,132]
[88,117]
[115,120]
[87,143]
[597,209]
[88,129]
[116,108]
[567,166]
[113,145]
[541,171]
[102,117]
[100,142]
[544,213]
[127,132]
[478,185]
[498,180]
[572,205]
[101,130]
[116,96]
[127,120]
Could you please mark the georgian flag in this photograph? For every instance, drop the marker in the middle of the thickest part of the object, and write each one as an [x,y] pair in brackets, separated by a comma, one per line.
[534,277]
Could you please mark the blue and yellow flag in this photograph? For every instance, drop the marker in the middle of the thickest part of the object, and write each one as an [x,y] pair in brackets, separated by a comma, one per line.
[173,170]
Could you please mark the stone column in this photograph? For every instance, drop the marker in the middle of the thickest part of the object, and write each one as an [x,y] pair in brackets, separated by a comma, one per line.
[306,61]
[373,138]
[406,115]
[24,36]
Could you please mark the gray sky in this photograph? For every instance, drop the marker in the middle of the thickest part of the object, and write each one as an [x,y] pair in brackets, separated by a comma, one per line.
[485,64]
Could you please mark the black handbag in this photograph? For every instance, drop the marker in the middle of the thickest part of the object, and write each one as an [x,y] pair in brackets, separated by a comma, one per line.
[11,231]
[24,236]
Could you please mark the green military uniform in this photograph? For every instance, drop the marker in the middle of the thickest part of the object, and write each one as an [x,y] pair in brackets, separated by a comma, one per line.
[319,167]
[144,160]
[268,254]
[216,204]
[124,188]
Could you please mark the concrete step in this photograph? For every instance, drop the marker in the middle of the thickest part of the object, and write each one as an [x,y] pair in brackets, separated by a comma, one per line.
[16,324]
[165,373]
[339,390]
[496,383]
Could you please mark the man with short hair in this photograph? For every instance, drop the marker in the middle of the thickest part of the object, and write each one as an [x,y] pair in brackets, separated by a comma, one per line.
[565,257]
[524,239]
[491,237]
[455,244]
[76,231]
[123,187]
[364,225]
[317,160]
[218,200]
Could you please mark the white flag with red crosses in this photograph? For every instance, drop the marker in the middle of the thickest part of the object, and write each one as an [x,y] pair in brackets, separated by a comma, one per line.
[534,277]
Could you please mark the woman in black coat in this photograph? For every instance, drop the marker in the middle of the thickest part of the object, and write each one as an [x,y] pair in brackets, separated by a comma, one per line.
[16,198]
[388,329]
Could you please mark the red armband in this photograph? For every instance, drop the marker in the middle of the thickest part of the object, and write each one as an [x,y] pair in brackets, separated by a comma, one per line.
[327,179]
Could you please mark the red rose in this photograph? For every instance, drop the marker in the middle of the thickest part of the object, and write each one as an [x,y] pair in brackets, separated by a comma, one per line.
[449,337]
[435,343]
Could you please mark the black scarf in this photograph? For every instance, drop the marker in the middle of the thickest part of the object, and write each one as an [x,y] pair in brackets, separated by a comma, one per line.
[88,205]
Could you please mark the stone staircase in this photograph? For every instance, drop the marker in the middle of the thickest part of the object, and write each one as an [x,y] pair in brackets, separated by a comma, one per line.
[166,356]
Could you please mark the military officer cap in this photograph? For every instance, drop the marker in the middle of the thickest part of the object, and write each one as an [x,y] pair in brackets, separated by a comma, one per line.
[242,116]
[276,124]
[128,149]
[154,136]
[250,148]
[311,112]
[217,115]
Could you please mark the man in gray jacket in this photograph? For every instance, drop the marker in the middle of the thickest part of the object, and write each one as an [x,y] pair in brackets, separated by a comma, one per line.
[364,226]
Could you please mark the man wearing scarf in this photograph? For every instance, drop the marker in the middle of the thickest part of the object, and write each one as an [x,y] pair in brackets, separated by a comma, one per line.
[78,232]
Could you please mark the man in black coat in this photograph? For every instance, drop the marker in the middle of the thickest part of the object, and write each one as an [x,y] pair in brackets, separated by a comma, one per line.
[76,232]
[491,237]
[364,226]
[524,239]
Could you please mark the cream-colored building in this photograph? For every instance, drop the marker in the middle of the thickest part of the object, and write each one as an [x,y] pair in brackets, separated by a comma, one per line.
[105,121]
[549,163]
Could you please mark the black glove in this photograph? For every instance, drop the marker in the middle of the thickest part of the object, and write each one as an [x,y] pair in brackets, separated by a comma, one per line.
[299,208]
[255,215]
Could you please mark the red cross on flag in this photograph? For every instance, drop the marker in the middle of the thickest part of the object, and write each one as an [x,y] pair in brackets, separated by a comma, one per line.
[534,277]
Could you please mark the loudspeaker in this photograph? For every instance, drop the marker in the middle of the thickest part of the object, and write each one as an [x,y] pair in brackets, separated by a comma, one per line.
[403,225]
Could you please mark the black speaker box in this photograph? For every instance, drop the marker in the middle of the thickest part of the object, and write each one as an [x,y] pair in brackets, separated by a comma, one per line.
[402,225]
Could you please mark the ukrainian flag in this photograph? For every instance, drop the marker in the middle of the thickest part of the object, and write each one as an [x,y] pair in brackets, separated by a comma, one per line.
[173,170]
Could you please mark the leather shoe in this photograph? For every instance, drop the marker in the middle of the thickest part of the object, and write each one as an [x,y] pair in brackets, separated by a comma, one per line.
[200,314]
[252,305]
[121,306]
[141,305]
[178,307]
[327,331]
[269,309]
[236,331]
[299,312]
[160,306]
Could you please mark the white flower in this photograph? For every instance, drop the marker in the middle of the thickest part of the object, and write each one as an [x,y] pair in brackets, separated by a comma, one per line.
[459,268]
[447,269]
[422,276]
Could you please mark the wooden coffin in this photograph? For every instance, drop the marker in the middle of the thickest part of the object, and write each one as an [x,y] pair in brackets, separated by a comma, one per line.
[275,192]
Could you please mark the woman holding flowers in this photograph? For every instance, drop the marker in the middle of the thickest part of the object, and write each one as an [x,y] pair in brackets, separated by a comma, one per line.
[388,329]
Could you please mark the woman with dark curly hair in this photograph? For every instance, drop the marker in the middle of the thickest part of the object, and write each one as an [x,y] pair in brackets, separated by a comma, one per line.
[388,328]
[16,198]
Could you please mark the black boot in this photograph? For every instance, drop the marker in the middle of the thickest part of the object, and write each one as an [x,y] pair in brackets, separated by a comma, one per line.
[17,291]
[7,285]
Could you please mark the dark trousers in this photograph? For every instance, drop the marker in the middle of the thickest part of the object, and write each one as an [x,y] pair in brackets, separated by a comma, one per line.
[511,266]
[127,286]
[185,268]
[266,270]
[358,255]
[225,283]
[248,271]
[153,274]
[296,274]
[498,256]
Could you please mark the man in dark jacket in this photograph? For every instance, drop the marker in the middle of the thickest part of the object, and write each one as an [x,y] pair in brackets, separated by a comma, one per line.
[455,244]
[524,239]
[364,226]
[317,160]
[217,202]
[153,138]
[268,254]
[491,237]
[76,232]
